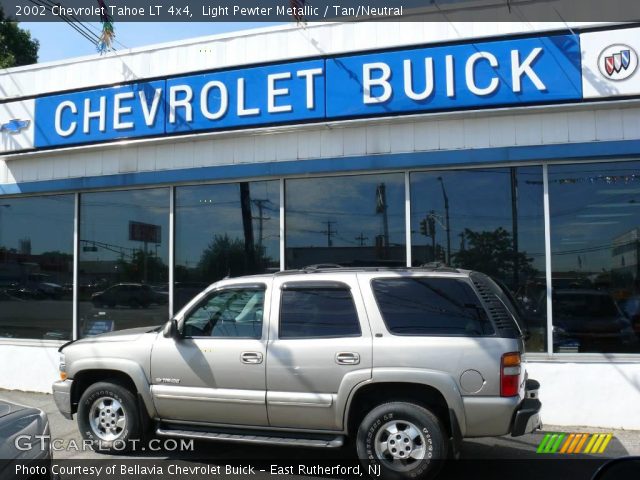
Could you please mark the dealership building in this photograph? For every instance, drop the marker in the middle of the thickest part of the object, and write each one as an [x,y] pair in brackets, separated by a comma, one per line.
[130,181]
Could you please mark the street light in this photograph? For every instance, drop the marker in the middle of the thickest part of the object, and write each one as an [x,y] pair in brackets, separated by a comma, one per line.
[446,216]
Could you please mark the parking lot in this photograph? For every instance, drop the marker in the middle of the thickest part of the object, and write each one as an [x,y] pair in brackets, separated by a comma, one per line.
[505,457]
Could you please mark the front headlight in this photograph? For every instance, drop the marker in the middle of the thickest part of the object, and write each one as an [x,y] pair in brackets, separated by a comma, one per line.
[62,366]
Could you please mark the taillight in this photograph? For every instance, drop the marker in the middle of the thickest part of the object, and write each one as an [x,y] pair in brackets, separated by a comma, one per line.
[510,370]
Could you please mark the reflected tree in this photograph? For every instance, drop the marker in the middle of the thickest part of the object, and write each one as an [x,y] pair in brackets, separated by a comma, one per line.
[493,253]
[228,257]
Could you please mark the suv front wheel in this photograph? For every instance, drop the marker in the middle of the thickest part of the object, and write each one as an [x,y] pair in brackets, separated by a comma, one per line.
[403,440]
[108,417]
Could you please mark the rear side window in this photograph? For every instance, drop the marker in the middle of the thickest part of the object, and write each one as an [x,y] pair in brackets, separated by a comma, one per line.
[318,313]
[430,306]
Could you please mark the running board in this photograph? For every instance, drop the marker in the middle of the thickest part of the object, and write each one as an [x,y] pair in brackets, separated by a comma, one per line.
[264,439]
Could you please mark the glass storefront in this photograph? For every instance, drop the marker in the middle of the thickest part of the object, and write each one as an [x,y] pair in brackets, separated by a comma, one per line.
[36,267]
[485,219]
[123,269]
[595,243]
[489,220]
[349,220]
[224,230]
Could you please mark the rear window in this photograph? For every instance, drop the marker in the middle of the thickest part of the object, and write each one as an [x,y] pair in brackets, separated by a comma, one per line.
[430,306]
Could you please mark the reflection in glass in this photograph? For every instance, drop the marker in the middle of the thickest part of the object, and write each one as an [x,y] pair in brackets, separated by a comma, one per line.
[224,230]
[351,220]
[491,221]
[124,255]
[595,243]
[36,267]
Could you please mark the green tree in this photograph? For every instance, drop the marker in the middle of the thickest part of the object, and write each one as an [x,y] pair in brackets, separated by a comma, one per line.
[16,45]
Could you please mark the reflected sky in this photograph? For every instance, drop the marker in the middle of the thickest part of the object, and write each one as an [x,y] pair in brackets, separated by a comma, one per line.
[481,200]
[202,212]
[593,207]
[350,204]
[105,217]
[46,221]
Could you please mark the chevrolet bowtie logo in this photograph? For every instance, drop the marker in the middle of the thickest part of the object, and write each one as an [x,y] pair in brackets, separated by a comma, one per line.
[14,125]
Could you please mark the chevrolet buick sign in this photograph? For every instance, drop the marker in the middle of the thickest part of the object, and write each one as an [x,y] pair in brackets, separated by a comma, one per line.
[488,74]
[507,72]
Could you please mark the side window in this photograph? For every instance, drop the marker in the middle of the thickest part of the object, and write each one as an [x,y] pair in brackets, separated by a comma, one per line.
[227,313]
[318,313]
[430,306]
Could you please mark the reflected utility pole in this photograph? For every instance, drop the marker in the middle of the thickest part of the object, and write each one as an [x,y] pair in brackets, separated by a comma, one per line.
[361,238]
[261,218]
[381,207]
[514,227]
[446,219]
[330,233]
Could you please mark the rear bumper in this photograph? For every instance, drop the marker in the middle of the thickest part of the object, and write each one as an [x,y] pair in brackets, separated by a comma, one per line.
[527,417]
[62,397]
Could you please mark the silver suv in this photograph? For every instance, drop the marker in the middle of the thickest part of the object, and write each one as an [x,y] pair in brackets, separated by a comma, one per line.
[405,362]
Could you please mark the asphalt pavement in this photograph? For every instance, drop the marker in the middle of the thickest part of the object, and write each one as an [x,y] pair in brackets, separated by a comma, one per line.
[506,456]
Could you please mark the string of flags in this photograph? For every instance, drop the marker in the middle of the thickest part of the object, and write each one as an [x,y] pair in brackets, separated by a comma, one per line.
[106,37]
[608,179]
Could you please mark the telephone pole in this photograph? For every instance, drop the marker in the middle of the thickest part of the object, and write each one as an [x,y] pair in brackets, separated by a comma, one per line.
[361,238]
[330,233]
[259,203]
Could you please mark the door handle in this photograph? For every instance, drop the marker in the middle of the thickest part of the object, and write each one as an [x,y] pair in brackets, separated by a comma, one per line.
[347,358]
[251,357]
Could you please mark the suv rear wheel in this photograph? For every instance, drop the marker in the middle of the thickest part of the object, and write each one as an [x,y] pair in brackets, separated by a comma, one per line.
[403,439]
[108,417]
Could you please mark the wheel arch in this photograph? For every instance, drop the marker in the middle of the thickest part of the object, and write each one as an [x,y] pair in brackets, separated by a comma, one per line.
[127,374]
[435,391]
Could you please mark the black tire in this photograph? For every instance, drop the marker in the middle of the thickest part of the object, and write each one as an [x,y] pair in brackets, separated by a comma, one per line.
[426,435]
[124,404]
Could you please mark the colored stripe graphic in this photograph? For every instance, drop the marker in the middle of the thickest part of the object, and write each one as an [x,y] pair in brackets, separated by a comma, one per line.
[572,443]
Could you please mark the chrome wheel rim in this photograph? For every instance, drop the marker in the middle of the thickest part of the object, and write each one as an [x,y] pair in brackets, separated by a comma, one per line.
[107,418]
[400,445]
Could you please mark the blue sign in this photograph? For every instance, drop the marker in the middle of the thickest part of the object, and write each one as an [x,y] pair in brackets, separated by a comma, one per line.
[480,75]
[507,72]
[135,110]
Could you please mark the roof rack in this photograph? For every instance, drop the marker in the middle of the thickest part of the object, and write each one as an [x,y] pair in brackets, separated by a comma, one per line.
[333,267]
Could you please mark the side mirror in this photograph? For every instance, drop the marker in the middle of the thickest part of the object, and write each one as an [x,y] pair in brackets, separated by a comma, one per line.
[170,330]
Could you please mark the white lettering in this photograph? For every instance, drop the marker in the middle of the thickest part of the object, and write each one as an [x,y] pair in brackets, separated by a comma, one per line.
[273,92]
[204,100]
[408,80]
[119,110]
[185,103]
[451,80]
[518,69]
[470,74]
[308,76]
[150,113]
[382,81]
[58,119]
[242,111]
[100,114]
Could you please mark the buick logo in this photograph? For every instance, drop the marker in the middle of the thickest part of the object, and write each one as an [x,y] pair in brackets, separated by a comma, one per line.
[618,62]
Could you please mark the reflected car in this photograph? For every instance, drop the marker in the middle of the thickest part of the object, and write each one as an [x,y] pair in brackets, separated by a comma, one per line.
[127,295]
[592,321]
[21,431]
